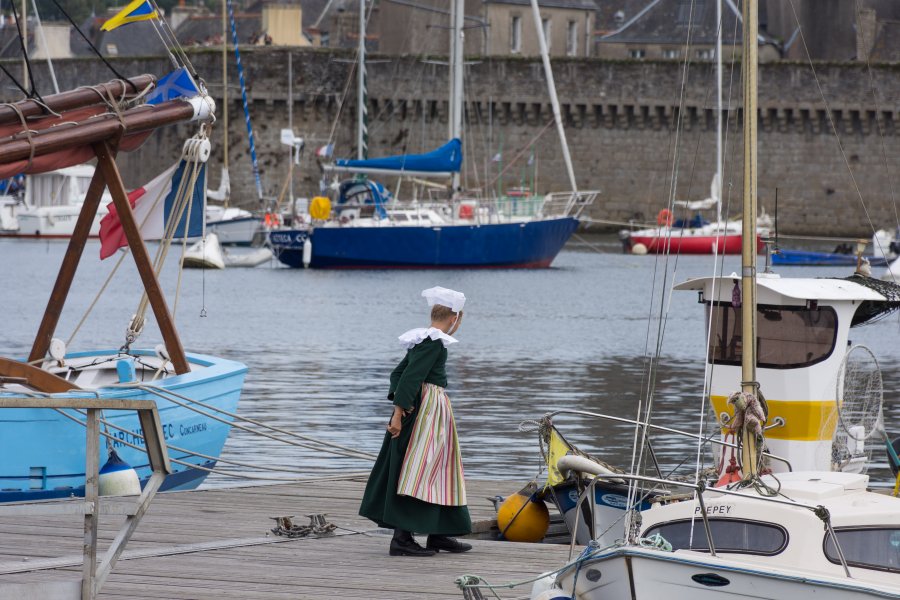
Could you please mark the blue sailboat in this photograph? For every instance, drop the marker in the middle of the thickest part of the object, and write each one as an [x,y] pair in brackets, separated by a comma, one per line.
[363,227]
[366,228]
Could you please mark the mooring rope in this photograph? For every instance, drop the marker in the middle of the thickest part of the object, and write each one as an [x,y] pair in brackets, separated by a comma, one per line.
[170,395]
[350,475]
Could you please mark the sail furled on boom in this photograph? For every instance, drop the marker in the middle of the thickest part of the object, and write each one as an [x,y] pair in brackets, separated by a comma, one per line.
[870,311]
[446,159]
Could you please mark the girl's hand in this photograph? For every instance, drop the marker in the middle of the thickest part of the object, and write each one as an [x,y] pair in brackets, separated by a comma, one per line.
[396,422]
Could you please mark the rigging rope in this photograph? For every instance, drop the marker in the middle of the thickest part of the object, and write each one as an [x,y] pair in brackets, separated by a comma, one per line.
[88,41]
[172,396]
[208,469]
[33,93]
[830,117]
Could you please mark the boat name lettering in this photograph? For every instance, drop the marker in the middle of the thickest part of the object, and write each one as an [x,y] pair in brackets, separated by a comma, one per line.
[189,429]
[716,509]
[614,500]
[288,237]
[135,437]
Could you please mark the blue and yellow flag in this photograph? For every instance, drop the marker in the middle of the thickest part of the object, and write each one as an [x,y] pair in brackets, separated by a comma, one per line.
[138,10]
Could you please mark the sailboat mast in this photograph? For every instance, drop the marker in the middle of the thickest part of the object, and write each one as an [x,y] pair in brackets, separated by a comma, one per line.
[457,58]
[362,111]
[551,88]
[748,251]
[225,84]
[718,183]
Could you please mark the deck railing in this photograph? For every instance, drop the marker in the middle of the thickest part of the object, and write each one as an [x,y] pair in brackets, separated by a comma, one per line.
[94,572]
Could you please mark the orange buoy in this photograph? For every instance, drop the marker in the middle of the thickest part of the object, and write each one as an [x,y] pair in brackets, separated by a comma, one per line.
[664,217]
[522,517]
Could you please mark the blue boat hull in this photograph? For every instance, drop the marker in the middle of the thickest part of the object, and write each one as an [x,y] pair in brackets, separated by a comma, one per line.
[802,258]
[507,245]
[42,452]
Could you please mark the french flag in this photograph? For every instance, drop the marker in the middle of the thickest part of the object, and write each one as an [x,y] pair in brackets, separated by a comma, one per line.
[153,206]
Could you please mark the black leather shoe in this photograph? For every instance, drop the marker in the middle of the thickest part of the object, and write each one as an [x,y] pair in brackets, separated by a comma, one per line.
[409,548]
[447,544]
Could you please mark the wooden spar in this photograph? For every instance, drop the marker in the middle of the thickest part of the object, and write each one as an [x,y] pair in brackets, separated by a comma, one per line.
[749,383]
[68,267]
[35,377]
[78,98]
[97,129]
[107,164]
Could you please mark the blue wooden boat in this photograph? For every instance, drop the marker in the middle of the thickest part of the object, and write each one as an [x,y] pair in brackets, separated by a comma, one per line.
[805,258]
[42,450]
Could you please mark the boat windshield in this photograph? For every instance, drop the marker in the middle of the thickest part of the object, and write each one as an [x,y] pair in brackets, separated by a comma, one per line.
[788,337]
[869,548]
[729,535]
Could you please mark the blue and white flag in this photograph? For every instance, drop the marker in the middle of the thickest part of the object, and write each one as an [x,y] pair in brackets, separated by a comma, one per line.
[177,84]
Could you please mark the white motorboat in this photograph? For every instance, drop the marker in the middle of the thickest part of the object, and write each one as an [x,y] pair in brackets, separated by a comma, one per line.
[53,201]
[234,226]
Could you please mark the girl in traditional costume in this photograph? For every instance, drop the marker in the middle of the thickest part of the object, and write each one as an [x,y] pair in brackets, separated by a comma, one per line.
[417,482]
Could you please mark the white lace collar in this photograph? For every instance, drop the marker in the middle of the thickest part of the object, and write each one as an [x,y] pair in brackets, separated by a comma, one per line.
[416,336]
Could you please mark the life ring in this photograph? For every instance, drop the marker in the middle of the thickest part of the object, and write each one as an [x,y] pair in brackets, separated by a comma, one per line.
[664,217]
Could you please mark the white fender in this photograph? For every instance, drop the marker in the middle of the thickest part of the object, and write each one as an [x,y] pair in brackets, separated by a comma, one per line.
[307,253]
[582,465]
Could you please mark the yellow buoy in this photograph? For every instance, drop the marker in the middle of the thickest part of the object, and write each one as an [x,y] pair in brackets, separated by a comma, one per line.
[320,208]
[522,517]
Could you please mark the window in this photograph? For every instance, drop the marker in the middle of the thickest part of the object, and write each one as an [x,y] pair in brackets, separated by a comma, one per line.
[787,336]
[706,54]
[619,18]
[637,53]
[869,548]
[572,39]
[545,24]
[729,535]
[671,53]
[515,34]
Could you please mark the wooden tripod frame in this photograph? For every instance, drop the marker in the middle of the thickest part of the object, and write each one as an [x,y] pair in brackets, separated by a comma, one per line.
[107,176]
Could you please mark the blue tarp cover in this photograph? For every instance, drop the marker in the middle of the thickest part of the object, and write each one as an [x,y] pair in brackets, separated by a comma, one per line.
[447,158]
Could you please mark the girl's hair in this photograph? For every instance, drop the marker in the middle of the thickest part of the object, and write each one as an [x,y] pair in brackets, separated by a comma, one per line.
[440,312]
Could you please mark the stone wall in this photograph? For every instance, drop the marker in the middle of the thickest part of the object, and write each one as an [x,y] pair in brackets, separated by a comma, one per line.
[621,119]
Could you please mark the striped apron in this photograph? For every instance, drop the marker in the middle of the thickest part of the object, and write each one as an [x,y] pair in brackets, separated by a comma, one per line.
[432,468]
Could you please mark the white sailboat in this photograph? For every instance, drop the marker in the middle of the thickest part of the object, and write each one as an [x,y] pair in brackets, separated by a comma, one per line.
[806,528]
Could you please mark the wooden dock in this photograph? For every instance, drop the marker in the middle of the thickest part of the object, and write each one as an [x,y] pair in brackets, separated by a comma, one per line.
[217,544]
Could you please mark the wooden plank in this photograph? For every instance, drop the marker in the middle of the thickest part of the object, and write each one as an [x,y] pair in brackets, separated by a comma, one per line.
[107,164]
[214,544]
[36,378]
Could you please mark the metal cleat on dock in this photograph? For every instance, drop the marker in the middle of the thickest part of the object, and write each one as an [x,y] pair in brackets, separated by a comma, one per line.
[318,525]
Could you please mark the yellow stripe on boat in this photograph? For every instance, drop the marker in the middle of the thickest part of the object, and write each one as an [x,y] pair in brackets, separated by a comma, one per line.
[804,420]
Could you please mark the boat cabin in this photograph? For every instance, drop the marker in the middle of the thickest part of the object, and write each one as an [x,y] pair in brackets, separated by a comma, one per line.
[803,339]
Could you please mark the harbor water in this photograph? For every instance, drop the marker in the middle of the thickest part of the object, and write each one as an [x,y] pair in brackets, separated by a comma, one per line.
[321,344]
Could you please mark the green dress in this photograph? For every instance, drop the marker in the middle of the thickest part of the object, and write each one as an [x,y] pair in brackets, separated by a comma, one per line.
[423,363]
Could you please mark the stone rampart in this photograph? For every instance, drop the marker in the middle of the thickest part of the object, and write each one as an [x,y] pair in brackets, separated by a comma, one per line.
[834,166]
